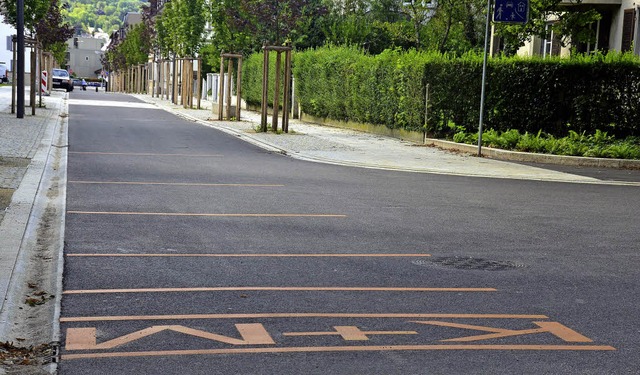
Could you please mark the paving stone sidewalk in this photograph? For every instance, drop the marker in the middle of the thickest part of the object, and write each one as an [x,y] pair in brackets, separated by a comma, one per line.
[327,144]
[20,138]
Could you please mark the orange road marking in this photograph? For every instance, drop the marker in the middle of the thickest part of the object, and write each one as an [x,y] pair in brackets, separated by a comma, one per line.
[143,154]
[340,349]
[297,315]
[556,329]
[310,255]
[278,289]
[350,333]
[170,184]
[85,338]
[202,215]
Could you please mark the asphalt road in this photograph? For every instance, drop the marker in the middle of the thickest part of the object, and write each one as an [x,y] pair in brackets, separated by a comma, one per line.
[189,251]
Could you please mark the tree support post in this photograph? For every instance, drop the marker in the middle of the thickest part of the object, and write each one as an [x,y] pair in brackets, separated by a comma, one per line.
[287,87]
[224,93]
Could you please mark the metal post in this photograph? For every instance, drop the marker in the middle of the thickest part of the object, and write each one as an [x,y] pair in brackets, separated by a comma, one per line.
[484,77]
[20,67]
[426,112]
[34,78]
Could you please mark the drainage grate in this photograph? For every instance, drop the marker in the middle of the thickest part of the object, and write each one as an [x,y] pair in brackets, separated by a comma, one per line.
[465,263]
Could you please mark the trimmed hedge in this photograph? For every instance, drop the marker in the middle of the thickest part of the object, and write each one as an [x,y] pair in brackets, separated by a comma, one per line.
[581,94]
[252,78]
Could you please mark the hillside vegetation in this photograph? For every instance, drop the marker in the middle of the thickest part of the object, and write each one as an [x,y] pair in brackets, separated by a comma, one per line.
[104,14]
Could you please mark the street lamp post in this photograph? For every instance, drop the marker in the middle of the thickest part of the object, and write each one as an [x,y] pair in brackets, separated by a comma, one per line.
[20,67]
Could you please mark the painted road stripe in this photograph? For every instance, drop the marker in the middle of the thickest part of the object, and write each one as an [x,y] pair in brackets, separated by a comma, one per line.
[235,255]
[341,349]
[106,103]
[171,184]
[277,289]
[143,154]
[201,215]
[297,315]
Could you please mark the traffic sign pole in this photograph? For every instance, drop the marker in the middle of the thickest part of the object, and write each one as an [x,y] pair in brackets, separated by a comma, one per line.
[484,76]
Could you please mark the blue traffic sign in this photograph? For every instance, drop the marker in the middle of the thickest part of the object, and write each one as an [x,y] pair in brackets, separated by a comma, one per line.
[511,11]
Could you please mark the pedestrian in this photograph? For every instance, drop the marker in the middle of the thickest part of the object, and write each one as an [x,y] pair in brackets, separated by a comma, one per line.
[84,85]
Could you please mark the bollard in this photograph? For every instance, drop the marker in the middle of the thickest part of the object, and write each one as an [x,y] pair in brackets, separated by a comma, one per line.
[43,82]
[96,88]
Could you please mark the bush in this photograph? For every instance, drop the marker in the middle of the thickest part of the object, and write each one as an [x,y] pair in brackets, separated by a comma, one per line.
[599,145]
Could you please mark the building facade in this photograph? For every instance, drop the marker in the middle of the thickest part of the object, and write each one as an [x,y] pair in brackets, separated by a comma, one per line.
[84,55]
[617,30]
[6,48]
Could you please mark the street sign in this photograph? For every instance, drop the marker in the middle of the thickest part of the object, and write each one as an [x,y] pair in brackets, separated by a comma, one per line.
[511,11]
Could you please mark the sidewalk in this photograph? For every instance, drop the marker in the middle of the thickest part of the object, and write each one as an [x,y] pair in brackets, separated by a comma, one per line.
[331,145]
[29,229]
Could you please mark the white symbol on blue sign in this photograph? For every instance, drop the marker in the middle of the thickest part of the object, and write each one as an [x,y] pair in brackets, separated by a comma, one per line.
[511,11]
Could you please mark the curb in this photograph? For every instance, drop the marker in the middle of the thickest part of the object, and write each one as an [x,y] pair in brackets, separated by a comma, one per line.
[490,153]
[498,154]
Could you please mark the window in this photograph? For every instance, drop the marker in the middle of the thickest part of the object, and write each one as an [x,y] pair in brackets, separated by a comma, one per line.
[637,39]
[628,28]
[86,58]
[552,44]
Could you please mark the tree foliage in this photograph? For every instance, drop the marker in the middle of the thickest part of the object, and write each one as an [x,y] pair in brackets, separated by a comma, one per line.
[34,11]
[104,14]
[43,19]
[180,28]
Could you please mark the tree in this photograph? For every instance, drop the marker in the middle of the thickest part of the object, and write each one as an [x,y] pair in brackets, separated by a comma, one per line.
[455,26]
[52,32]
[180,28]
[34,11]
[420,12]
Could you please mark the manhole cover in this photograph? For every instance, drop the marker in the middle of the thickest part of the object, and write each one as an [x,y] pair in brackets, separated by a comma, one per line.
[464,263]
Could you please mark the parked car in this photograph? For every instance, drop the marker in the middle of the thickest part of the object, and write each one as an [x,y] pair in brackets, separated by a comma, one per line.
[62,80]
[4,78]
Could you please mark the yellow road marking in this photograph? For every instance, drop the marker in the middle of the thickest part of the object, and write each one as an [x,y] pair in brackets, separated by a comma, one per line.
[298,315]
[171,184]
[85,338]
[235,255]
[350,333]
[277,289]
[563,332]
[201,215]
[341,349]
[143,154]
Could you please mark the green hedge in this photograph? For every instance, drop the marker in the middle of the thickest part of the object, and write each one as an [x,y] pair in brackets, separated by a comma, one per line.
[582,94]
[252,78]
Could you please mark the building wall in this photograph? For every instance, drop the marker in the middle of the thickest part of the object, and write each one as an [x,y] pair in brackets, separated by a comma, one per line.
[6,52]
[616,26]
[84,56]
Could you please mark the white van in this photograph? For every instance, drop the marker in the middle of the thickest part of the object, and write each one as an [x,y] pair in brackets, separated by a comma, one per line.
[4,78]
